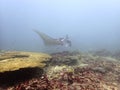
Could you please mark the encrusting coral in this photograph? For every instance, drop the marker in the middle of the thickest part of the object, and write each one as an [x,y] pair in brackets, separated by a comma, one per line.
[10,61]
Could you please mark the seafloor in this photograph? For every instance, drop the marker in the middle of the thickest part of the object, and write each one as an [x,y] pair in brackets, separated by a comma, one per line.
[98,70]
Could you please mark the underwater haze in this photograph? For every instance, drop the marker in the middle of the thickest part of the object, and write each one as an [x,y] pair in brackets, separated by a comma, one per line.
[90,24]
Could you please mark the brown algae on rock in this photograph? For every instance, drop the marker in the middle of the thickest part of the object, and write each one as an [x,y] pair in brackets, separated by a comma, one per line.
[10,61]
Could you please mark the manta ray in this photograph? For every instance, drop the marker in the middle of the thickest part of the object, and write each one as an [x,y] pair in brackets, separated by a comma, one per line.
[49,41]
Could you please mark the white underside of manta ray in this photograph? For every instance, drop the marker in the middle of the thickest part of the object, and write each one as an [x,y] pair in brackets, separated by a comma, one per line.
[49,41]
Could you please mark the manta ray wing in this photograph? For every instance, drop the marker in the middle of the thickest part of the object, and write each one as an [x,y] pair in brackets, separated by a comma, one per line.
[47,39]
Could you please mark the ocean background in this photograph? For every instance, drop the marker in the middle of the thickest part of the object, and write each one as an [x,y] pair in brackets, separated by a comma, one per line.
[90,24]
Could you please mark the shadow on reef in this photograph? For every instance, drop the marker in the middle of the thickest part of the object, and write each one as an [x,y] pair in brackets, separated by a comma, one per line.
[14,77]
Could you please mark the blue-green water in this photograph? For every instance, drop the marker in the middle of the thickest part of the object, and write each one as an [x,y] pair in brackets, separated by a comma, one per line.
[90,24]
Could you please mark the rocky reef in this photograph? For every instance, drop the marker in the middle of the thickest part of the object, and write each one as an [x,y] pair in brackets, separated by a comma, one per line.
[69,71]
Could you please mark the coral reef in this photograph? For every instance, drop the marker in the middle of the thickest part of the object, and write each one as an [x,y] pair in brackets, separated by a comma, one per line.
[80,79]
[116,54]
[101,52]
[88,72]
[66,58]
[54,71]
[10,61]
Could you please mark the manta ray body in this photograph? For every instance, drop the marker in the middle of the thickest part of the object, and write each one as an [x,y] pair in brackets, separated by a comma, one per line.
[49,41]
